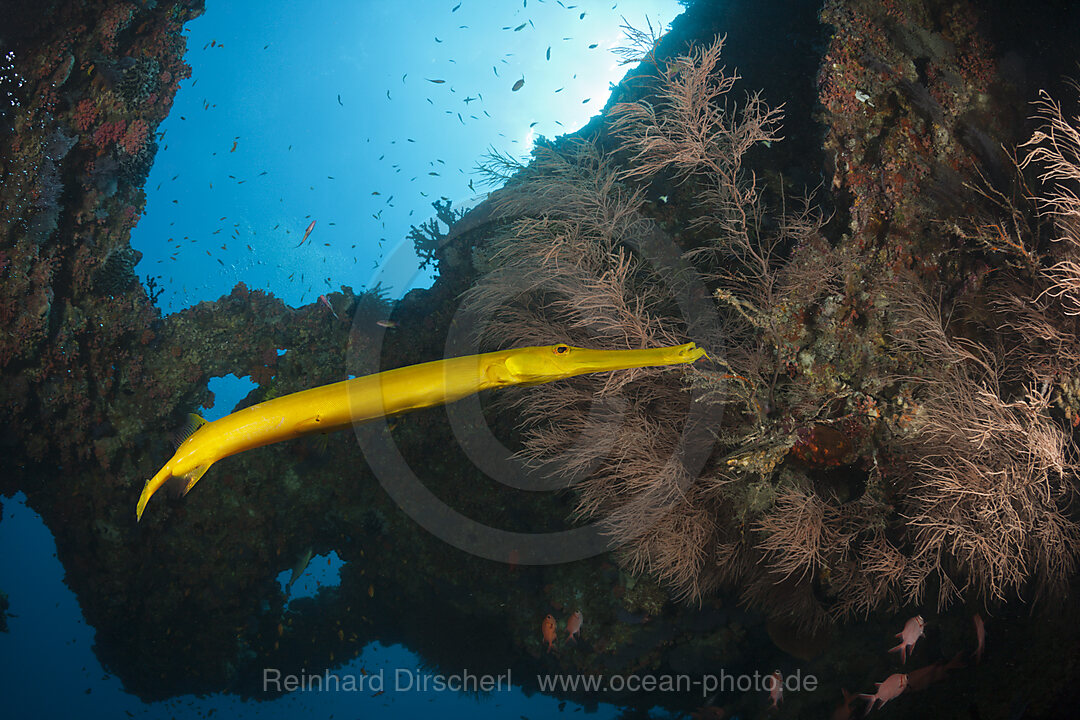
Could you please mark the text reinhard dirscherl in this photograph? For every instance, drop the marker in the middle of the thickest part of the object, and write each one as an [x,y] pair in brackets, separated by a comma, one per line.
[402,680]
[414,680]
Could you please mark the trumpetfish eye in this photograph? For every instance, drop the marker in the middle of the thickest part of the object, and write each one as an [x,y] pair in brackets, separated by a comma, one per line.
[562,349]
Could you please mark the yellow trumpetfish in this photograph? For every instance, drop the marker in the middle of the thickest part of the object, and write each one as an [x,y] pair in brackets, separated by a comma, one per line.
[339,405]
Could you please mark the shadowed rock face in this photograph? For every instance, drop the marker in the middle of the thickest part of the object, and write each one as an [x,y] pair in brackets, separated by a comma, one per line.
[95,379]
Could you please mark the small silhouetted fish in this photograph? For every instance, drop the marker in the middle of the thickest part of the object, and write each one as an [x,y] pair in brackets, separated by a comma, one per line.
[593,46]
[518,85]
[549,52]
[520,27]
[454,9]
[339,101]
[437,82]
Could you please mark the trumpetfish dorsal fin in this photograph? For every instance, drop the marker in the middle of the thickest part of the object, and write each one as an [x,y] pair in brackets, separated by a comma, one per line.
[191,424]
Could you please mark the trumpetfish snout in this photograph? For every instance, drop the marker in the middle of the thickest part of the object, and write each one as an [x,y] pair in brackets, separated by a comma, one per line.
[341,404]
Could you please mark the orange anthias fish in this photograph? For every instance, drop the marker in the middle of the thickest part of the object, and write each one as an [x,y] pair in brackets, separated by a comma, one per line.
[913,630]
[326,302]
[307,232]
[548,629]
[573,626]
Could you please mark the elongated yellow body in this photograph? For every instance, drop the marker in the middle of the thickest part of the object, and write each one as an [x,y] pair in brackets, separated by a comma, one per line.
[339,405]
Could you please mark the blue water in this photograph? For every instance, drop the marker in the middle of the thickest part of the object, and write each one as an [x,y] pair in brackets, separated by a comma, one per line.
[324,111]
[48,668]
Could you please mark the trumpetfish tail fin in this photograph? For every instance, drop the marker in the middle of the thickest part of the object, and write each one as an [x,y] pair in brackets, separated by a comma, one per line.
[181,487]
[191,425]
[152,485]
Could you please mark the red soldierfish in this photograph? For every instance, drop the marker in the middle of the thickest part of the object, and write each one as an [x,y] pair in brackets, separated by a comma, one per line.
[980,636]
[573,626]
[844,710]
[913,630]
[776,690]
[886,691]
[307,232]
[924,677]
